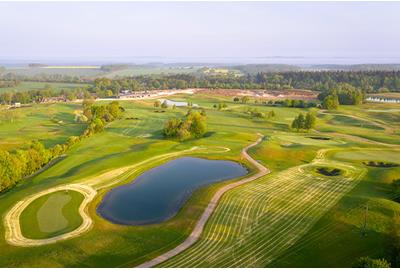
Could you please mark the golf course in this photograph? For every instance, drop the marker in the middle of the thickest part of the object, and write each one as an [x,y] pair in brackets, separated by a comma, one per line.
[251,192]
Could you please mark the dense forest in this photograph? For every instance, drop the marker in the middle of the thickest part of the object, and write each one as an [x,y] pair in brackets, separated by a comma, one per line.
[322,81]
[368,81]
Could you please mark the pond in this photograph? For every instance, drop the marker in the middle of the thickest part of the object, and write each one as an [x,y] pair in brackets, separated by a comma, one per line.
[159,193]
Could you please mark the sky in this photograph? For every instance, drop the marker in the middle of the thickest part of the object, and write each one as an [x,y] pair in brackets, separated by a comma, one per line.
[130,31]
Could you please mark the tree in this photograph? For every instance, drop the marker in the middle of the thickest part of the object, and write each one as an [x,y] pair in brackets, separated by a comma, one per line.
[171,127]
[271,114]
[331,102]
[366,262]
[198,125]
[299,122]
[245,99]
[164,105]
[235,99]
[310,120]
[296,124]
[157,103]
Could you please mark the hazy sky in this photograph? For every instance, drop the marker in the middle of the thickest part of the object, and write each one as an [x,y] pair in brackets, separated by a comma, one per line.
[87,30]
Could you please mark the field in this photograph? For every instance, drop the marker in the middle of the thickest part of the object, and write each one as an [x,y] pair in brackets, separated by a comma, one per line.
[144,70]
[27,86]
[290,217]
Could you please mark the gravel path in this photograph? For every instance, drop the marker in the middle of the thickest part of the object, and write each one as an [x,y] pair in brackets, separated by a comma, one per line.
[12,219]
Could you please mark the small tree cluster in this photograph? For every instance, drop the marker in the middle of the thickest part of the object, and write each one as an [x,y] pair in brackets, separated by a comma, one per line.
[100,115]
[301,122]
[192,126]
[220,106]
[253,112]
[293,103]
[245,99]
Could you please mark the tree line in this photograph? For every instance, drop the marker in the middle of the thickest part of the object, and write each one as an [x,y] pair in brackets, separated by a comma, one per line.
[327,82]
[40,95]
[21,163]
[369,81]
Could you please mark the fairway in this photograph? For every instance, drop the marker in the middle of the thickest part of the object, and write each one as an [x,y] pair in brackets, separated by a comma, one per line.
[49,123]
[51,215]
[256,224]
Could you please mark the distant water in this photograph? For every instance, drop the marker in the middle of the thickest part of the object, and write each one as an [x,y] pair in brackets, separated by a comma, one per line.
[303,61]
[159,193]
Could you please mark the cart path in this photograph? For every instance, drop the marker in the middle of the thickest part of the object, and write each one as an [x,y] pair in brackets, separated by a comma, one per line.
[198,229]
[88,188]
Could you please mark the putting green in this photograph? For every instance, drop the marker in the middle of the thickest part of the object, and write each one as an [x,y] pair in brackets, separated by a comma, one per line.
[51,215]
[306,140]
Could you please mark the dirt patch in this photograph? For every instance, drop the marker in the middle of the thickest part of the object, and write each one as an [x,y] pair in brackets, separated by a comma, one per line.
[263,94]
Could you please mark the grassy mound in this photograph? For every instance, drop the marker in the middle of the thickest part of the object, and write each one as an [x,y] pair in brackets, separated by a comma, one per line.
[51,215]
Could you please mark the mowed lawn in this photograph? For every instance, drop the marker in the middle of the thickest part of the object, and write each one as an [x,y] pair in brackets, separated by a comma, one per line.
[294,201]
[49,123]
[51,215]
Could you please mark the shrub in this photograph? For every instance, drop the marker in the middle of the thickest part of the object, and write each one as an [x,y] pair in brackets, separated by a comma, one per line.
[366,262]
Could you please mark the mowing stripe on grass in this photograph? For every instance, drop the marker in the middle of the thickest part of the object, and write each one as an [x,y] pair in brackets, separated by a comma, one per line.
[255,223]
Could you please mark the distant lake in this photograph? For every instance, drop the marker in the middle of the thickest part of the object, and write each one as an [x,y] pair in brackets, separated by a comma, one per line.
[160,193]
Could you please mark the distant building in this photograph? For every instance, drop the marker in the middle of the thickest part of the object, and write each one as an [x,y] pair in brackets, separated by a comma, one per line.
[383,100]
[17,104]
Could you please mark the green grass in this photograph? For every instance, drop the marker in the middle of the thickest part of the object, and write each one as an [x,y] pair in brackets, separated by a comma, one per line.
[27,86]
[256,222]
[337,239]
[51,215]
[311,207]
[48,123]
